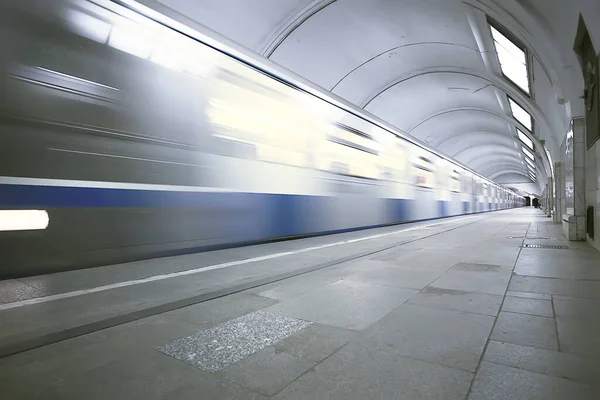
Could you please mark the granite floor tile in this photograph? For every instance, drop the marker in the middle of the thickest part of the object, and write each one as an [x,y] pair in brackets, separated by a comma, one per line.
[576,307]
[529,295]
[345,304]
[564,287]
[12,290]
[210,313]
[579,336]
[267,371]
[561,365]
[397,276]
[445,337]
[458,300]
[357,372]
[218,347]
[315,342]
[468,278]
[495,382]
[298,285]
[526,330]
[149,375]
[522,305]
[91,351]
[569,270]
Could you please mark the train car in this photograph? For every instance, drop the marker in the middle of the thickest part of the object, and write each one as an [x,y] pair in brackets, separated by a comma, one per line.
[123,138]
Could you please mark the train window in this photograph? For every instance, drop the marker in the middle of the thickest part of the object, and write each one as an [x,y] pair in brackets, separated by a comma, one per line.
[455,182]
[424,172]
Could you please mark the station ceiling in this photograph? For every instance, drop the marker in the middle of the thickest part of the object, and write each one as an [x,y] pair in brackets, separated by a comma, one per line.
[429,67]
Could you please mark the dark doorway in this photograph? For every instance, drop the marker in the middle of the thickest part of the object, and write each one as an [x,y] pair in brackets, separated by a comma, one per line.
[527,201]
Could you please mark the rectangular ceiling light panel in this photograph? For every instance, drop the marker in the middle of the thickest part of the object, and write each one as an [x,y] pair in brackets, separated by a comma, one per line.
[513,60]
[520,114]
[529,162]
[528,153]
[525,139]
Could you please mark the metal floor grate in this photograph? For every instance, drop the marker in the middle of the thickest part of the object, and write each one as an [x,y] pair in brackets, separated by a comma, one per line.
[545,246]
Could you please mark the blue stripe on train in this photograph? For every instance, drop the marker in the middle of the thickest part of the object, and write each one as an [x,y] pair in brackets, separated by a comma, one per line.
[26,196]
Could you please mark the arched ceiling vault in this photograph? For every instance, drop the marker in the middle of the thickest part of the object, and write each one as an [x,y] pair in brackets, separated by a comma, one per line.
[426,66]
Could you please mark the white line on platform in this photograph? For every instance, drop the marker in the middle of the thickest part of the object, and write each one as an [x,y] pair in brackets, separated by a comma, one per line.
[155,278]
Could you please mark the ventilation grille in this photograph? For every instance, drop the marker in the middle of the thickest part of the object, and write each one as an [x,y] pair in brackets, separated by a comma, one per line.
[545,246]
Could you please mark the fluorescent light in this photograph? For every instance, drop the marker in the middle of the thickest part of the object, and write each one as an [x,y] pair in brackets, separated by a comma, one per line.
[529,162]
[520,114]
[525,139]
[528,153]
[88,26]
[513,61]
[131,38]
[23,220]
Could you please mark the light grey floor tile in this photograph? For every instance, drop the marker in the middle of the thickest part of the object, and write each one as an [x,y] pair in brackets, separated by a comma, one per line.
[90,351]
[267,371]
[402,277]
[298,285]
[345,304]
[212,312]
[576,307]
[358,373]
[495,382]
[564,287]
[315,342]
[446,337]
[580,369]
[12,290]
[473,280]
[423,259]
[571,269]
[560,256]
[148,376]
[459,300]
[579,336]
[481,267]
[505,256]
[522,305]
[526,330]
[529,295]
[218,347]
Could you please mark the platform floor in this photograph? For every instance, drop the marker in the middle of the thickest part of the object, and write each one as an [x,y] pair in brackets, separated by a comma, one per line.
[450,309]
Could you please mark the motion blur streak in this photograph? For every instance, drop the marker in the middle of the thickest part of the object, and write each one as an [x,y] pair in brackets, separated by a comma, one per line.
[23,220]
[139,141]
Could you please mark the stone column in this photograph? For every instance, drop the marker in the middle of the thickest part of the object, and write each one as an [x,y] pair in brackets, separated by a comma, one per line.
[559,187]
[579,175]
[574,225]
[550,197]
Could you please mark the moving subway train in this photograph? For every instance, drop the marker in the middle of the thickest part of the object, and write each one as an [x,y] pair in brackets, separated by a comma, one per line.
[123,138]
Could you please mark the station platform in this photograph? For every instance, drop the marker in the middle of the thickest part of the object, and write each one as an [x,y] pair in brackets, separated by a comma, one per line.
[489,306]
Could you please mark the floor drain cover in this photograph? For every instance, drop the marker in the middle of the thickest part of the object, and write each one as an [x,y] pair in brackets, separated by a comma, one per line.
[545,246]
[516,237]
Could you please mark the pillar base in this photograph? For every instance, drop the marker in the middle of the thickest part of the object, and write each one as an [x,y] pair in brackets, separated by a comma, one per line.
[573,227]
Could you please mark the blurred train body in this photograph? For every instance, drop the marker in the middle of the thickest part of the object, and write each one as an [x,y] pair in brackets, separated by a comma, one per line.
[139,141]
